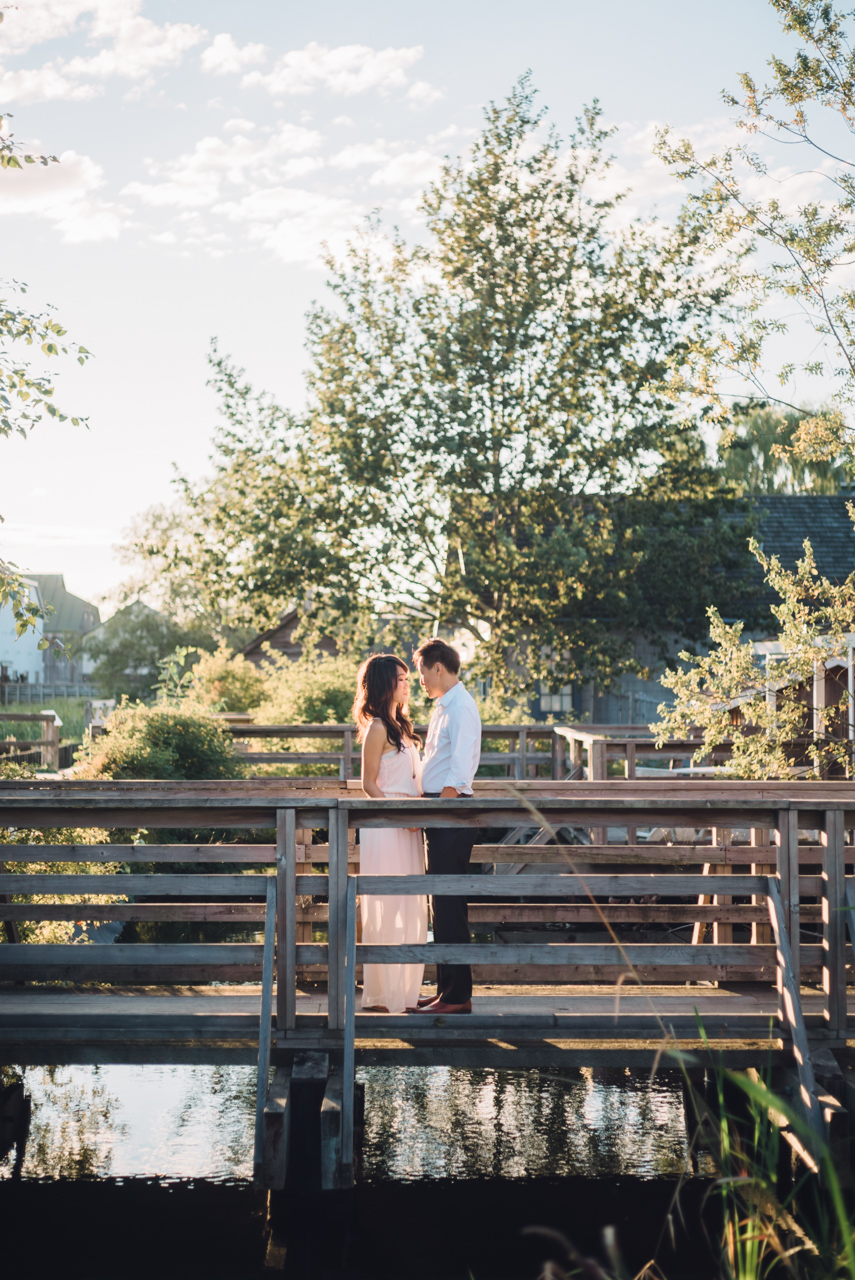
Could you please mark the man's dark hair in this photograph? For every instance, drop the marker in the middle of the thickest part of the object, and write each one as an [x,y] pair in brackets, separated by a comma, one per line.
[436,650]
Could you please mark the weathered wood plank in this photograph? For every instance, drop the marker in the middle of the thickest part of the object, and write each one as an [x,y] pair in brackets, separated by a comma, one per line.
[265,1014]
[277,1125]
[286,881]
[234,912]
[197,853]
[538,885]
[636,854]
[793,1009]
[168,886]
[331,1133]
[569,952]
[117,954]
[834,925]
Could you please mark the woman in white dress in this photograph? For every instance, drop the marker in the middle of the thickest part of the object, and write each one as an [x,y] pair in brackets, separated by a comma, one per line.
[391,767]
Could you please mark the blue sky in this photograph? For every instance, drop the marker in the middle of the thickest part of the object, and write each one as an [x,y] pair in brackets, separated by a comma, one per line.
[208,149]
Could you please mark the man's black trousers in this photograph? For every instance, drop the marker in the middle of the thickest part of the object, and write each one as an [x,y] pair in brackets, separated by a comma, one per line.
[448,852]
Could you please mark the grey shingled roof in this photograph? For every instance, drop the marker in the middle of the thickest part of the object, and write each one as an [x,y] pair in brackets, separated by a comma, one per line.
[787,519]
[71,613]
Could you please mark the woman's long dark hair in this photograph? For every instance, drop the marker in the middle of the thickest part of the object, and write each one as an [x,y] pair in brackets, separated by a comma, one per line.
[375,686]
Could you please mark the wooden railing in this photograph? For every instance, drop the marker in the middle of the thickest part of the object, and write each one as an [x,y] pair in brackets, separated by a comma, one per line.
[48,744]
[521,760]
[806,847]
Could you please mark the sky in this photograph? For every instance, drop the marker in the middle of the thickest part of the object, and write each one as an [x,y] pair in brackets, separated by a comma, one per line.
[209,150]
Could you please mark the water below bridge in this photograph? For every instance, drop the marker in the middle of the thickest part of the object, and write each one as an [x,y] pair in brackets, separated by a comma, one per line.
[146,1171]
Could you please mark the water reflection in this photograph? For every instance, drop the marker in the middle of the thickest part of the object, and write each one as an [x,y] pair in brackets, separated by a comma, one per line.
[179,1122]
[150,1121]
[440,1122]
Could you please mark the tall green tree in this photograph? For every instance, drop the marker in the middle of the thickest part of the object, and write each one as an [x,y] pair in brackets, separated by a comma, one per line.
[757,454]
[496,442]
[804,249]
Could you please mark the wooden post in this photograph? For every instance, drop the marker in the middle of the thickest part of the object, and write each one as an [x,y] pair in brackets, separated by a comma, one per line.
[722,933]
[597,771]
[629,772]
[277,1124]
[558,757]
[50,753]
[761,933]
[264,1030]
[286,920]
[337,901]
[13,933]
[788,985]
[522,768]
[348,753]
[787,840]
[348,1068]
[833,925]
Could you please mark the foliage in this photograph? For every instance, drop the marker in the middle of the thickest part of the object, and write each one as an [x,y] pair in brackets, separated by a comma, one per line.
[160,742]
[735,694]
[221,681]
[129,646]
[495,441]
[160,549]
[316,689]
[25,396]
[51,930]
[69,710]
[805,1232]
[757,455]
[805,251]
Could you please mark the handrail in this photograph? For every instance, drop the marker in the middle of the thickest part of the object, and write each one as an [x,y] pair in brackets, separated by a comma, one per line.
[349,1038]
[792,1009]
[263,1072]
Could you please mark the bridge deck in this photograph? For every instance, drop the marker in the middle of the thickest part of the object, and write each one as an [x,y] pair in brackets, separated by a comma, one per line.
[519,1026]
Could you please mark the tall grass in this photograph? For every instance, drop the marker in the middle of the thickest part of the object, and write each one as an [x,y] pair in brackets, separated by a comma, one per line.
[69,710]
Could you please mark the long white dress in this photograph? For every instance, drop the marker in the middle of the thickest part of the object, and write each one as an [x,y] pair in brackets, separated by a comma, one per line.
[402,918]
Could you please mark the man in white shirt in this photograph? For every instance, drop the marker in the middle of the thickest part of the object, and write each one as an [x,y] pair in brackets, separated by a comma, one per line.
[452,755]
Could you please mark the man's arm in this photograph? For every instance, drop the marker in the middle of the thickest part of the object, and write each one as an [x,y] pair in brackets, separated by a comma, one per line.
[465,754]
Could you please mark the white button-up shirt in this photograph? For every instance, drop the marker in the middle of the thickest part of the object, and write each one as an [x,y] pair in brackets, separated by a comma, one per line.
[453,748]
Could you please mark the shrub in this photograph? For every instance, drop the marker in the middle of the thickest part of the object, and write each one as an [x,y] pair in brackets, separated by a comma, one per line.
[225,683]
[160,742]
[317,689]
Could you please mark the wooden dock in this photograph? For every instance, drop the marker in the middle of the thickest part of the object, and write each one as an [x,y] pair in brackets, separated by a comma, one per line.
[768,860]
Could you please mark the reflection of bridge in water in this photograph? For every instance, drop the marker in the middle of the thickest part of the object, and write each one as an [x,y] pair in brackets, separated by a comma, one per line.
[761,865]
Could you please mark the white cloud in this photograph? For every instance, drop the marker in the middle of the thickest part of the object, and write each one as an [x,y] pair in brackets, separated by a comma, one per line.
[422,94]
[197,179]
[294,223]
[344,121]
[238,126]
[348,69]
[412,168]
[360,153]
[44,84]
[64,193]
[134,47]
[223,57]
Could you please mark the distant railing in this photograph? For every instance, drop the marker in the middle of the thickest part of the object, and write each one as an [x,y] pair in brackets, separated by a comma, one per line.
[13,692]
[521,760]
[23,749]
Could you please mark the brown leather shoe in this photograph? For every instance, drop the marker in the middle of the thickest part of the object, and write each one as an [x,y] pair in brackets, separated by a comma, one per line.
[439,1007]
[424,1001]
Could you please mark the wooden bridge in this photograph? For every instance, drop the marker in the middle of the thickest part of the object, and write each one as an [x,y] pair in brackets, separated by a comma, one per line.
[768,861]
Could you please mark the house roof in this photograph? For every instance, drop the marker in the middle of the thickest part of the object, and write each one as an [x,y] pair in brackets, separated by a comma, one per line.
[786,519]
[71,613]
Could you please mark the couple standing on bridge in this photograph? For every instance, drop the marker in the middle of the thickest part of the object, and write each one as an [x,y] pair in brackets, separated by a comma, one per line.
[393,768]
